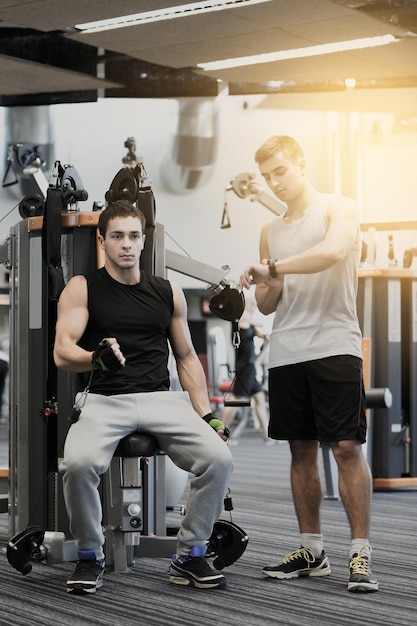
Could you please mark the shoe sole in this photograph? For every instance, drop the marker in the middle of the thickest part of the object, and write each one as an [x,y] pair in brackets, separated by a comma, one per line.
[362,587]
[79,589]
[190,582]
[325,571]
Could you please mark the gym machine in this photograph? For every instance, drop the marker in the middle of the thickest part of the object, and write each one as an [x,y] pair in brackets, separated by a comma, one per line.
[44,250]
[388,316]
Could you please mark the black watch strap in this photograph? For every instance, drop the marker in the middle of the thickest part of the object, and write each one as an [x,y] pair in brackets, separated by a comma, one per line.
[272,268]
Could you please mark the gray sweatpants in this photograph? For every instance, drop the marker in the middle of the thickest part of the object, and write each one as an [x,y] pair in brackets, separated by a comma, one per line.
[187,439]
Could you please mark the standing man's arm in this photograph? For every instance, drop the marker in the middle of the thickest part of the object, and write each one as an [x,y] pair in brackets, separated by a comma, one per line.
[268,288]
[342,234]
[268,292]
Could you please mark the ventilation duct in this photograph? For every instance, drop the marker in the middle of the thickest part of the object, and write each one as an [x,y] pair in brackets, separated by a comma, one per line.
[189,164]
[28,128]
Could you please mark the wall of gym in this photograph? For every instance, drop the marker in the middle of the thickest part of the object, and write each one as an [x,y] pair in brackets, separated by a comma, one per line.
[370,156]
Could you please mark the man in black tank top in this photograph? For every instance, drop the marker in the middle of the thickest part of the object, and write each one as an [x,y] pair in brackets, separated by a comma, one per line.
[114,328]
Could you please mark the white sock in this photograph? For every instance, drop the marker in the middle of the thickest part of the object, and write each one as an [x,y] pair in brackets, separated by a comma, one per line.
[313,542]
[357,544]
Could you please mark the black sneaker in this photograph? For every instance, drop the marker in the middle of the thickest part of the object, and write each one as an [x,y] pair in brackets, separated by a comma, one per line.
[361,578]
[194,571]
[301,562]
[88,574]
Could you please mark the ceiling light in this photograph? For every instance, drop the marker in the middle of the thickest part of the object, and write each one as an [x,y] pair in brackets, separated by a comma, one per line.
[298,53]
[350,83]
[183,10]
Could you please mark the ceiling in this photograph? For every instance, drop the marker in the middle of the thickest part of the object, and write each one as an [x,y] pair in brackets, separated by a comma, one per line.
[45,60]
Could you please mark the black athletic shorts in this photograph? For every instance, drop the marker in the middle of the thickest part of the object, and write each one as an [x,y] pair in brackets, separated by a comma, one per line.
[322,399]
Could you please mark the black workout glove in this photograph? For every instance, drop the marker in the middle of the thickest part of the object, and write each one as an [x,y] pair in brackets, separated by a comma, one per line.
[104,358]
[216,424]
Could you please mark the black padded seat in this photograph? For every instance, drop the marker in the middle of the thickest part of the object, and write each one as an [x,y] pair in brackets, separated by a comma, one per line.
[137,445]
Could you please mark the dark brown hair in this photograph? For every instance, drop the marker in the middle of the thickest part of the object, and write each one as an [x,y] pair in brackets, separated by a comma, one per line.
[120,208]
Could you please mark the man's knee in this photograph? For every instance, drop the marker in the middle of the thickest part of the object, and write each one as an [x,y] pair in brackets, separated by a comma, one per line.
[346,450]
[304,452]
[222,461]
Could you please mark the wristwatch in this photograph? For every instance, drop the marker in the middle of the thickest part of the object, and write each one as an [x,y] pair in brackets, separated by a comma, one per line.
[272,268]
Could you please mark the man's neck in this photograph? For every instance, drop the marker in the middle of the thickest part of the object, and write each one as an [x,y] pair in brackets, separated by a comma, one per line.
[128,276]
[297,208]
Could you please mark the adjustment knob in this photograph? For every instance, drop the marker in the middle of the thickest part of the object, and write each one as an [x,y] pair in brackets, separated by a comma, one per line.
[134,509]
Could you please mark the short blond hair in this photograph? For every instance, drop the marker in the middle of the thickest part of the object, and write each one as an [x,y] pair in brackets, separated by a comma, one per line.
[279,143]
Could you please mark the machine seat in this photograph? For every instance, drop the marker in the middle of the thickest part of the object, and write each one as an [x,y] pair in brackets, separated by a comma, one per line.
[137,445]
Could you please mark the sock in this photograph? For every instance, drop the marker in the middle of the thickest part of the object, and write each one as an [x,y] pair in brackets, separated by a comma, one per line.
[195,551]
[313,542]
[87,555]
[198,550]
[357,544]
[91,555]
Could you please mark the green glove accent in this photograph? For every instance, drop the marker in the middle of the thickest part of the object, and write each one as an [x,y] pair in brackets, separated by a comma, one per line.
[100,365]
[104,358]
[216,424]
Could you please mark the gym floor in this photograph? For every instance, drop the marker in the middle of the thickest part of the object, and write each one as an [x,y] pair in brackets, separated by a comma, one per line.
[263,508]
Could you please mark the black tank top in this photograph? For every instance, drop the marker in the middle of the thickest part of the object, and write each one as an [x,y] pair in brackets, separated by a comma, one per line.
[138,316]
